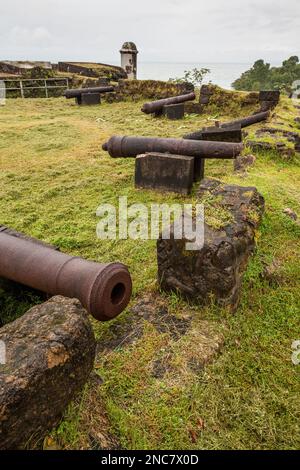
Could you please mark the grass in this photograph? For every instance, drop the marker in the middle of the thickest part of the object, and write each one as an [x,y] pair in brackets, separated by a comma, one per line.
[54,175]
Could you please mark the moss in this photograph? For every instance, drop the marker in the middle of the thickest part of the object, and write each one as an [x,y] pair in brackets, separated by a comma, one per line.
[253,216]
[150,89]
[216,215]
[234,102]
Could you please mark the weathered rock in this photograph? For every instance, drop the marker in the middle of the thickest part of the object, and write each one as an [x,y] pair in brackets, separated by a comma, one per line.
[242,162]
[215,270]
[49,355]
[290,213]
[272,273]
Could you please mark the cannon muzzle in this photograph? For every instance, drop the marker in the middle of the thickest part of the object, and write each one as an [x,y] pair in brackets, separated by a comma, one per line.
[157,106]
[103,289]
[122,146]
[75,93]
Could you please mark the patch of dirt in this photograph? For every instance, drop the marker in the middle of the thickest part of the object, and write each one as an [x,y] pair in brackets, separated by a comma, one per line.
[161,367]
[152,309]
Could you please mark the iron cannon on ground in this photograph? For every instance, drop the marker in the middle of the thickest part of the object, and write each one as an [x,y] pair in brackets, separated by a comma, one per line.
[103,289]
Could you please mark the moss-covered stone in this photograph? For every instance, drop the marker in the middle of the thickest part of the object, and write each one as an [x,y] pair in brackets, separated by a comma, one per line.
[214,99]
[151,89]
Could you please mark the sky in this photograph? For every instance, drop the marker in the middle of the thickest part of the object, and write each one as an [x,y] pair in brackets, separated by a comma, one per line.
[235,31]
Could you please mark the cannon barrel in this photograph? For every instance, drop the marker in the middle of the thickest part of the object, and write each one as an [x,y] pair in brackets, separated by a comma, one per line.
[122,146]
[74,93]
[156,106]
[248,121]
[103,289]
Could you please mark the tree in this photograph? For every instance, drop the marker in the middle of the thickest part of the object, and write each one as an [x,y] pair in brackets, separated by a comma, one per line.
[262,76]
[194,76]
[255,78]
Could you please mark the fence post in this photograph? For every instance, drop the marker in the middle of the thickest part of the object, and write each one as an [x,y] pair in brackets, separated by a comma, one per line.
[21,89]
[46,89]
[2,93]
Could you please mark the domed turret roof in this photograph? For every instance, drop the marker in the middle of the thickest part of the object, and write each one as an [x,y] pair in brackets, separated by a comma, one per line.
[129,46]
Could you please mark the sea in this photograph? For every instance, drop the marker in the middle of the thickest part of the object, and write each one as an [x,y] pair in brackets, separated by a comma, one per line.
[222,74]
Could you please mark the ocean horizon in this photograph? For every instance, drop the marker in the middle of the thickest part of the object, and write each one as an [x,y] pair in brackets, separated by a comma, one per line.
[222,74]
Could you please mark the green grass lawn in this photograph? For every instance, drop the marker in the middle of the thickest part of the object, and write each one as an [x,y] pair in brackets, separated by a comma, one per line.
[54,175]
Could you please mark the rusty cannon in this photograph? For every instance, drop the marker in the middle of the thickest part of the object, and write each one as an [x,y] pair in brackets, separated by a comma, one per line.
[88,96]
[169,159]
[172,108]
[247,121]
[122,146]
[104,290]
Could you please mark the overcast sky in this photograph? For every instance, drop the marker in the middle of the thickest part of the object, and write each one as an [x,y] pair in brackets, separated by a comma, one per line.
[164,30]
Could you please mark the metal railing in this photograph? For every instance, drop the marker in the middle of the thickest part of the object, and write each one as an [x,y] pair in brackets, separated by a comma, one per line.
[22,88]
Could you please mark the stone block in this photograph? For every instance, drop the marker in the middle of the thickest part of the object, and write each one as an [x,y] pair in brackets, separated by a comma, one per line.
[204,99]
[164,172]
[270,95]
[174,111]
[217,134]
[267,105]
[199,168]
[215,271]
[89,99]
[207,90]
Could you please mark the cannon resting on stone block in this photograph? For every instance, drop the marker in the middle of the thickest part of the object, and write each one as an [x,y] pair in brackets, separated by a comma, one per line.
[124,146]
[172,108]
[169,150]
[88,96]
[104,290]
